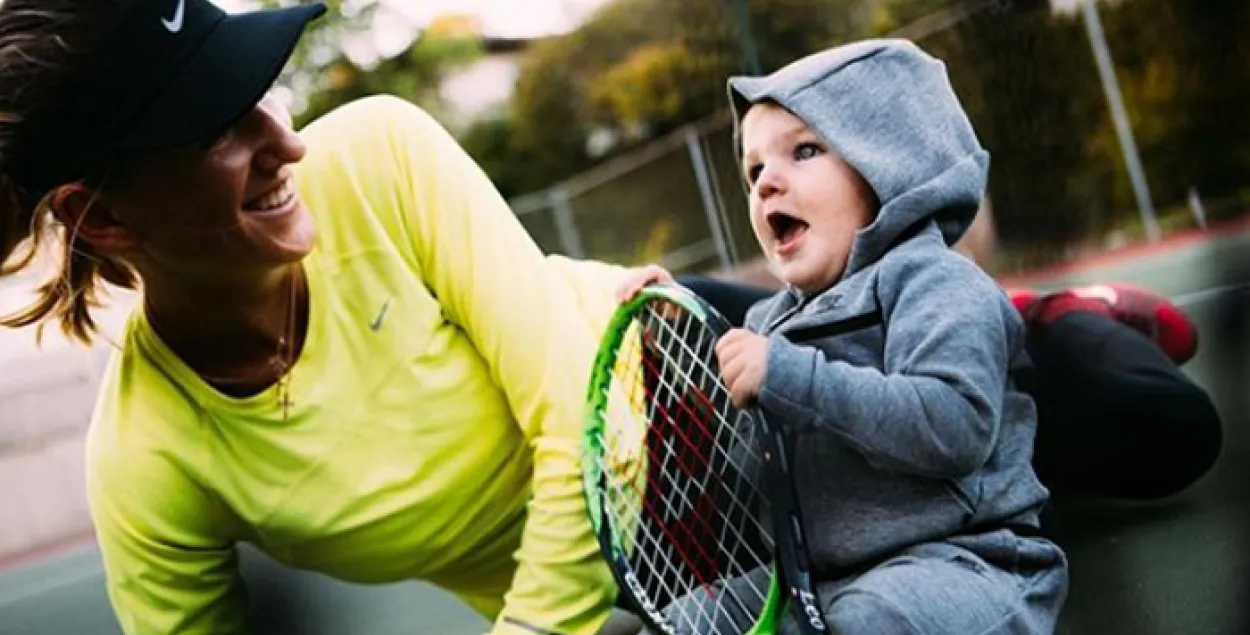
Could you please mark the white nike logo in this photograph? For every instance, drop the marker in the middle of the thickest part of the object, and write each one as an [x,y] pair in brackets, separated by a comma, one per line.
[174,24]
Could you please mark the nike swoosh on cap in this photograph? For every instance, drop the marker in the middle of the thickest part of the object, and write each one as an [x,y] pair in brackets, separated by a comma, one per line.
[174,24]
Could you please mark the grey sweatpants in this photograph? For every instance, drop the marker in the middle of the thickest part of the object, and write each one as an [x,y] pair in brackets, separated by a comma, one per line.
[992,583]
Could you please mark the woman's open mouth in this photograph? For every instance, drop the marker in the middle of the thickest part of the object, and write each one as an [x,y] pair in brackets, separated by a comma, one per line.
[274,201]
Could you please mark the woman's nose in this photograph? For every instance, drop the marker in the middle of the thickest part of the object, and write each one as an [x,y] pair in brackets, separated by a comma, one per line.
[279,145]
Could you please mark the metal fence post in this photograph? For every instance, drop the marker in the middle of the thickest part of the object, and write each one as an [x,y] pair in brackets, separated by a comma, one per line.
[1132,161]
[1195,206]
[699,162]
[570,239]
[746,39]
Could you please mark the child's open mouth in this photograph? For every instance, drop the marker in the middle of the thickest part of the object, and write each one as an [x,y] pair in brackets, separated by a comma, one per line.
[787,230]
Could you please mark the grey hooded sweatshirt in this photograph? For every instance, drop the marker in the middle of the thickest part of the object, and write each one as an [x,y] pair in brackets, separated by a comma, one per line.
[907,425]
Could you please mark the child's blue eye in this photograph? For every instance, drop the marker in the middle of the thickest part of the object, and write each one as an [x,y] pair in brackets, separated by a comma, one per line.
[807,150]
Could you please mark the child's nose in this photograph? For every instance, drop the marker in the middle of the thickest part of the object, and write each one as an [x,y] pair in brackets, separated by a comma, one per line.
[771,183]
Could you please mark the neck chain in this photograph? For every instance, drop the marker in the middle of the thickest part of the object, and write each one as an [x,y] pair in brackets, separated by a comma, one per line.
[285,357]
[279,364]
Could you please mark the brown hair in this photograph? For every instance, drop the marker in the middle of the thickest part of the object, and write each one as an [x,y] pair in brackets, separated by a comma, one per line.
[42,42]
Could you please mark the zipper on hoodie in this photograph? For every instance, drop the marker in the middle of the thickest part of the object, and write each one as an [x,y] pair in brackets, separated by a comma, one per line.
[804,300]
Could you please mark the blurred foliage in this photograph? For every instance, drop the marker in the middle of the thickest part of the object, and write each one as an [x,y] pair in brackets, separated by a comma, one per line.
[322,39]
[414,74]
[637,70]
[324,76]
[1029,82]
[648,85]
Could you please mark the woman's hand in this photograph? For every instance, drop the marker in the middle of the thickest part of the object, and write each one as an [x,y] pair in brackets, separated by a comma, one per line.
[639,278]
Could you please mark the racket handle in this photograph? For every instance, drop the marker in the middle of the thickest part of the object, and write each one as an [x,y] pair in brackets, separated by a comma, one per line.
[791,547]
[799,578]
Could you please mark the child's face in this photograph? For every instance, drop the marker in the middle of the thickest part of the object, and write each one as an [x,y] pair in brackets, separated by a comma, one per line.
[806,202]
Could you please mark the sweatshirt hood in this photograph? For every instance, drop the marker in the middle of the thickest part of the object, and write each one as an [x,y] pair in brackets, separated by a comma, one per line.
[888,109]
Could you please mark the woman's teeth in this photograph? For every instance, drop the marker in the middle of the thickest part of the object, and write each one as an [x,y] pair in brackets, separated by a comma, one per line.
[274,199]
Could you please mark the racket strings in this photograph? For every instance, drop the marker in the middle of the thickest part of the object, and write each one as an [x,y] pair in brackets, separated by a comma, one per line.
[741,473]
[692,518]
[684,344]
[719,395]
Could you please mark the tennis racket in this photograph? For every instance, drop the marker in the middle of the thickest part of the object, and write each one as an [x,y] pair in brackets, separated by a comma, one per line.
[691,497]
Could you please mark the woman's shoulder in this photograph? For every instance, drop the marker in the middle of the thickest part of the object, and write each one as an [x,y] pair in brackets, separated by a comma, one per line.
[138,423]
[140,484]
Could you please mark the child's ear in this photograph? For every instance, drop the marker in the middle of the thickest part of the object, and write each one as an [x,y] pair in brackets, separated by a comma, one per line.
[868,193]
[980,241]
[86,216]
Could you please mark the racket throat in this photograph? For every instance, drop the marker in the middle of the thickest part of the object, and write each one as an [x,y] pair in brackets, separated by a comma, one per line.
[769,622]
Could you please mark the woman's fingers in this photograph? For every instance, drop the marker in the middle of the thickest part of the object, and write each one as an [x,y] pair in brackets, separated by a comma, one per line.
[639,278]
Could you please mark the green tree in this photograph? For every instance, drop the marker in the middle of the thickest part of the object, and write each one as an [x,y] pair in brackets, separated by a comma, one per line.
[642,68]
[647,86]
[1027,79]
[322,39]
[645,67]
[1182,67]
[492,143]
[414,74]
[324,76]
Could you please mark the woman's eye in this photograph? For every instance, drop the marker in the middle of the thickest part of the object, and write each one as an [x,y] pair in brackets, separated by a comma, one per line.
[807,150]
[213,140]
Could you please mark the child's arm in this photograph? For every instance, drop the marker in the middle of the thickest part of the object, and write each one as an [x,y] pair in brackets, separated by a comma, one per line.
[934,410]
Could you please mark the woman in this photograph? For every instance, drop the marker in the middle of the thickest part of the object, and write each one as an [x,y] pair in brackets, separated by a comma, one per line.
[348,352]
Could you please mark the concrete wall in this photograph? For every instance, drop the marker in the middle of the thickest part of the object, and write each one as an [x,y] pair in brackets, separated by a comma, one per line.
[46,395]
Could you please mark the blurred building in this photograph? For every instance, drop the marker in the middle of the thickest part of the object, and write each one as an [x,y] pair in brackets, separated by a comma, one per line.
[47,391]
[481,89]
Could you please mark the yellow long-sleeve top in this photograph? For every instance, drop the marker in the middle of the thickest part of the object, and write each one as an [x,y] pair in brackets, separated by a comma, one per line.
[434,430]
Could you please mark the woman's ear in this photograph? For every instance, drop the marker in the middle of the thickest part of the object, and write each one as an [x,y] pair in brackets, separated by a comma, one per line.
[87,216]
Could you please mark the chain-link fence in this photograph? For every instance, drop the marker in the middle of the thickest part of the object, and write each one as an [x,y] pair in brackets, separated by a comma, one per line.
[1096,138]
[678,202]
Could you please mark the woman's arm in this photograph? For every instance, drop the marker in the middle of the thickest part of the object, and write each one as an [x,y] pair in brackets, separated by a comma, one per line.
[493,282]
[168,573]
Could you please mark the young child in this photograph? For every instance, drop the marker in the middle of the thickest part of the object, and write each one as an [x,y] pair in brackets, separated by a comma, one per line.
[914,446]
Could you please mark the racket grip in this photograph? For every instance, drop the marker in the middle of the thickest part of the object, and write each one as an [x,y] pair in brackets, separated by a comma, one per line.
[791,546]
[800,547]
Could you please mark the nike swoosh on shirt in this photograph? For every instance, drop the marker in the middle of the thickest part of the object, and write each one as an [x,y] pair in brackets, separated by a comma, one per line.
[377,321]
[174,24]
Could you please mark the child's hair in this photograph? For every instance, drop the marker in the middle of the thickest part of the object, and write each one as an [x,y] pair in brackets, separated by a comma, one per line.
[41,43]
